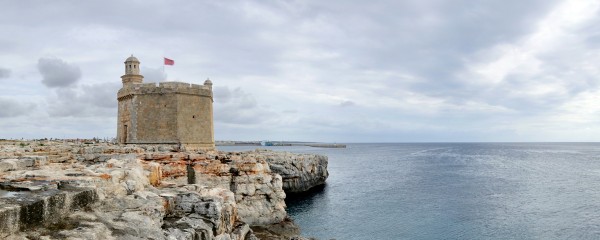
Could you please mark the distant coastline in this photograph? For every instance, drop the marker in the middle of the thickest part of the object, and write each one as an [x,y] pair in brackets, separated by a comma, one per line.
[279,143]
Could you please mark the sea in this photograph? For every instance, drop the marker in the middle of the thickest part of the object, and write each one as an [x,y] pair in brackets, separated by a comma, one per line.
[452,191]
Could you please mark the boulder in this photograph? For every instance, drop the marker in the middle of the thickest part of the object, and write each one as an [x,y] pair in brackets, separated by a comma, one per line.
[299,172]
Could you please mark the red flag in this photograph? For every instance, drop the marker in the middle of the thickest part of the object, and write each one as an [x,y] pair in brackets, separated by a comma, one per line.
[169,62]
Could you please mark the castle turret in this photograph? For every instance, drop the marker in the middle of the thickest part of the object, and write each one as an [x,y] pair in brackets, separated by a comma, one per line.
[132,72]
[208,83]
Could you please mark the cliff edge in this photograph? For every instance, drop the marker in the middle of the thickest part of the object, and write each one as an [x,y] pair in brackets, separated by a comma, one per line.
[56,190]
[299,172]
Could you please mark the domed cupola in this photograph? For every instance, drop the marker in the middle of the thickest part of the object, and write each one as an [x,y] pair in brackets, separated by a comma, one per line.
[132,65]
[132,72]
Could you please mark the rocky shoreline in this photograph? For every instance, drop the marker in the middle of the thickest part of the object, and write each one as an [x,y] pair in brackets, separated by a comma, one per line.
[62,190]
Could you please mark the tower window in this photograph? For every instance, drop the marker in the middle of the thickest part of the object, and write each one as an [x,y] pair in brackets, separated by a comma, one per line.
[193,116]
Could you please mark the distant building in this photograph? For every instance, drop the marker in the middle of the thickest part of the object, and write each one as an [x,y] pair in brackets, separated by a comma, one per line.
[164,113]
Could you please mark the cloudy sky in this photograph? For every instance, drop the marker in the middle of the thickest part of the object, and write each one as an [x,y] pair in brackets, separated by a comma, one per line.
[338,71]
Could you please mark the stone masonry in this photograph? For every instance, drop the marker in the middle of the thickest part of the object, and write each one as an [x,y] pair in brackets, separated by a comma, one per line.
[164,113]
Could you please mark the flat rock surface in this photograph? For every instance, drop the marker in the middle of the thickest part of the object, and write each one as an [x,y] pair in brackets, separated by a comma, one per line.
[105,191]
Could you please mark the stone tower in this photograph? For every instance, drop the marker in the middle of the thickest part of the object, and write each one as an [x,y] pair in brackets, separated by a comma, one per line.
[164,113]
[132,72]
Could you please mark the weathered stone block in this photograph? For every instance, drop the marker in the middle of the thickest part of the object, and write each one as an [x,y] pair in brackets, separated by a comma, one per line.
[31,214]
[80,199]
[9,219]
[8,165]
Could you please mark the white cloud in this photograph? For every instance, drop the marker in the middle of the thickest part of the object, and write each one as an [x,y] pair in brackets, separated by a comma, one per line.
[541,70]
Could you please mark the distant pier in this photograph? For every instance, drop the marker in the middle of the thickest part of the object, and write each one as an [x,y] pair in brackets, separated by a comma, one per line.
[279,144]
[327,145]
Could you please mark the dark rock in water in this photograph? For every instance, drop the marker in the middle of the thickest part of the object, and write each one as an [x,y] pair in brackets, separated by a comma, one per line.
[295,197]
[284,230]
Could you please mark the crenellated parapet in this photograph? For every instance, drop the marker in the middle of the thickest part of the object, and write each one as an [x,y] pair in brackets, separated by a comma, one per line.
[204,90]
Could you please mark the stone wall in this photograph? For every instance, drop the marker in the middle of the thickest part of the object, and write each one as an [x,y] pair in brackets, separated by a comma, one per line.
[155,115]
[195,124]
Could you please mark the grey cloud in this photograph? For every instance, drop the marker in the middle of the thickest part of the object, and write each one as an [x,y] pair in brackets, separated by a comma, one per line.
[214,29]
[58,73]
[236,97]
[102,95]
[238,107]
[347,103]
[426,39]
[431,39]
[96,100]
[66,104]
[565,66]
[4,73]
[153,74]
[221,94]
[12,108]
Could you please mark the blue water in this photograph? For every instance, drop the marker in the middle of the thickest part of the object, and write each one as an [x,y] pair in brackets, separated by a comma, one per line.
[454,191]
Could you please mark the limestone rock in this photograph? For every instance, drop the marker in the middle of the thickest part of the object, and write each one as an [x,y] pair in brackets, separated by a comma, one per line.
[105,191]
[300,172]
[89,230]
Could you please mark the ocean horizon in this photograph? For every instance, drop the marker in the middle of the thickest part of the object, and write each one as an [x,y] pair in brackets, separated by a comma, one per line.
[482,190]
